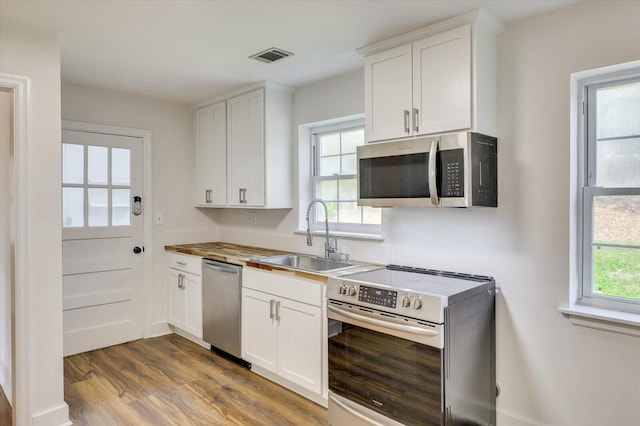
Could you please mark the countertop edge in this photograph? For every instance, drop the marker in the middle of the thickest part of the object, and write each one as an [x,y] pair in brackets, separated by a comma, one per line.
[244,256]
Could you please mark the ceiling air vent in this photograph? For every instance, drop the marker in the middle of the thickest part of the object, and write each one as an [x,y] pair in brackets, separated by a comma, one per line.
[271,55]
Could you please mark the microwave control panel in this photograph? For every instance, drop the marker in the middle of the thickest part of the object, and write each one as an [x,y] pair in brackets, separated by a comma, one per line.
[452,169]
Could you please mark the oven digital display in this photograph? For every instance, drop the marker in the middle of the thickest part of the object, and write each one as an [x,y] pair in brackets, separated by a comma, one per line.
[378,296]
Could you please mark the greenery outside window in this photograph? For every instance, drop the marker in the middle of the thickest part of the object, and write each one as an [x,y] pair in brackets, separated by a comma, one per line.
[610,182]
[334,179]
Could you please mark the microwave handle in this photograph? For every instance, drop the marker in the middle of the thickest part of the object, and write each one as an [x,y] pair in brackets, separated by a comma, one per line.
[433,188]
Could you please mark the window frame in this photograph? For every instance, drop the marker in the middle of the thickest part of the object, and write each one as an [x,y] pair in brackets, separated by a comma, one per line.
[587,189]
[334,227]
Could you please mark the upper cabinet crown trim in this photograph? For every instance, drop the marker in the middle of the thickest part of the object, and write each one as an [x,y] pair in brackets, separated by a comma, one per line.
[242,91]
[474,17]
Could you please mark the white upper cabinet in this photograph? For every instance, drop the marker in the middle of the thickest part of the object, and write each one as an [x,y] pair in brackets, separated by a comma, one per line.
[438,79]
[388,103]
[245,160]
[211,134]
[442,82]
[255,170]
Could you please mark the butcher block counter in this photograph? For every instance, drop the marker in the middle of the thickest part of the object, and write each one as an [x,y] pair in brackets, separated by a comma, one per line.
[242,255]
[224,252]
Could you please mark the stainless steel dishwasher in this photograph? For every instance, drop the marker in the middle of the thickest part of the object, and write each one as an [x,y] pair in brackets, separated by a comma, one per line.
[221,307]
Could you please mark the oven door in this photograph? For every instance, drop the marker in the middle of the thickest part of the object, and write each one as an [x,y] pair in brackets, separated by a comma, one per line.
[383,369]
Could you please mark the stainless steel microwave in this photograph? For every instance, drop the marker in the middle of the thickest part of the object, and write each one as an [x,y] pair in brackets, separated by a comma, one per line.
[451,170]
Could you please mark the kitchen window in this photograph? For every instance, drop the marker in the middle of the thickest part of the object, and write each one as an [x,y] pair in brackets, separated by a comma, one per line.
[610,191]
[334,178]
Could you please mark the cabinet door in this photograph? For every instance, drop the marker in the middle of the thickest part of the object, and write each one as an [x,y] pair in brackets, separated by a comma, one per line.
[193,305]
[387,94]
[211,133]
[300,344]
[442,81]
[259,329]
[176,298]
[245,161]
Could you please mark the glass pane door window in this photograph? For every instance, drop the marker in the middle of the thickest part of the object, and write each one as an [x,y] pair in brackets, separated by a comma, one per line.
[96,186]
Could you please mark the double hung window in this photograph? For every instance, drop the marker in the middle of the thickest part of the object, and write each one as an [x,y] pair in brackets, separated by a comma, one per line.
[334,179]
[610,183]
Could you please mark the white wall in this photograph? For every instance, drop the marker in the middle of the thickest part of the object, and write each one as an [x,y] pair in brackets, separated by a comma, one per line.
[36,54]
[7,240]
[173,166]
[550,372]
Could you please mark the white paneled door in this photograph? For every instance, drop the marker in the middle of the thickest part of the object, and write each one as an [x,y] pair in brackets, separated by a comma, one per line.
[102,240]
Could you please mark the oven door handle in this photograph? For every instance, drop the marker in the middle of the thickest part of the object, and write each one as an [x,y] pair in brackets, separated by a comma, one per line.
[384,324]
[353,411]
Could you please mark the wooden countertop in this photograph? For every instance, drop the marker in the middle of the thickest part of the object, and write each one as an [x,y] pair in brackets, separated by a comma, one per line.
[242,255]
[224,252]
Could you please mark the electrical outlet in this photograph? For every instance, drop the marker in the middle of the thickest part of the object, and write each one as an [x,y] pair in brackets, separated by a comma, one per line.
[254,217]
[158,218]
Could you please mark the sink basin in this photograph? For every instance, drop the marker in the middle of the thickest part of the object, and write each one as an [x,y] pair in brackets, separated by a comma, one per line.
[305,262]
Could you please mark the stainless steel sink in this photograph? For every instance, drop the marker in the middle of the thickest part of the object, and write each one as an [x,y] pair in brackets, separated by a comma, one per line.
[305,262]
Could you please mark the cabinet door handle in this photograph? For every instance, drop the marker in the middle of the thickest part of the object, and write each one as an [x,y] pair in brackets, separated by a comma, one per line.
[278,311]
[407,128]
[181,263]
[208,197]
[415,119]
[271,304]
[242,194]
[180,281]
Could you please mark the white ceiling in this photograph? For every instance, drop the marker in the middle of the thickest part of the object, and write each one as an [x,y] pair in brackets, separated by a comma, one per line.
[187,51]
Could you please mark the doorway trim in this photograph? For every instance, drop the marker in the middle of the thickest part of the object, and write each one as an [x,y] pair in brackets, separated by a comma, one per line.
[147,210]
[20,335]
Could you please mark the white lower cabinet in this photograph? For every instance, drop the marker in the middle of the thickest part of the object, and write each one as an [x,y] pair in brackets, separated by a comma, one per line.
[281,335]
[300,344]
[260,329]
[185,293]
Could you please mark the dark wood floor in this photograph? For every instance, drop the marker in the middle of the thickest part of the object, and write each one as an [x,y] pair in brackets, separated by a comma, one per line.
[169,380]
[5,410]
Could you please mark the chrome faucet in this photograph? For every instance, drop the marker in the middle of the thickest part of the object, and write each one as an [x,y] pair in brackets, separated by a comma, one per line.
[329,246]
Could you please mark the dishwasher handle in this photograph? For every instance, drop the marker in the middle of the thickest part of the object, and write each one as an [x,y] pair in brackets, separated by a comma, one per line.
[221,267]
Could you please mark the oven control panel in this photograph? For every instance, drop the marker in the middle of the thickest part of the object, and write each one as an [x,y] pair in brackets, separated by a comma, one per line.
[378,296]
[397,301]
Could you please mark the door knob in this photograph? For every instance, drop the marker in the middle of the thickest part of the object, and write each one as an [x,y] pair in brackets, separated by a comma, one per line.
[138,250]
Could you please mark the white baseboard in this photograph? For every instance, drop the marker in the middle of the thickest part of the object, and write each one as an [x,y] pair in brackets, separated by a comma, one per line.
[512,419]
[160,328]
[318,399]
[57,416]
[191,337]
[6,380]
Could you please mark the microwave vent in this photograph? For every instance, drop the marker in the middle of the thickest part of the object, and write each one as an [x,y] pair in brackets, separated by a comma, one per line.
[271,55]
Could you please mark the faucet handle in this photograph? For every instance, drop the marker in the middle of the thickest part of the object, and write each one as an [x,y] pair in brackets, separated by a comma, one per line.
[333,243]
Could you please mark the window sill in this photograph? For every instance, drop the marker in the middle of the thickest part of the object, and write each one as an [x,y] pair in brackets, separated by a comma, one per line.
[603,319]
[344,234]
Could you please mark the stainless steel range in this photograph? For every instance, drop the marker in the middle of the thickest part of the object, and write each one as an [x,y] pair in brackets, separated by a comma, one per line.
[411,346]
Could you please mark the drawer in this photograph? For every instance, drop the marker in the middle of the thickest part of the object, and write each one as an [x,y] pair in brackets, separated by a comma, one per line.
[283,284]
[186,263]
